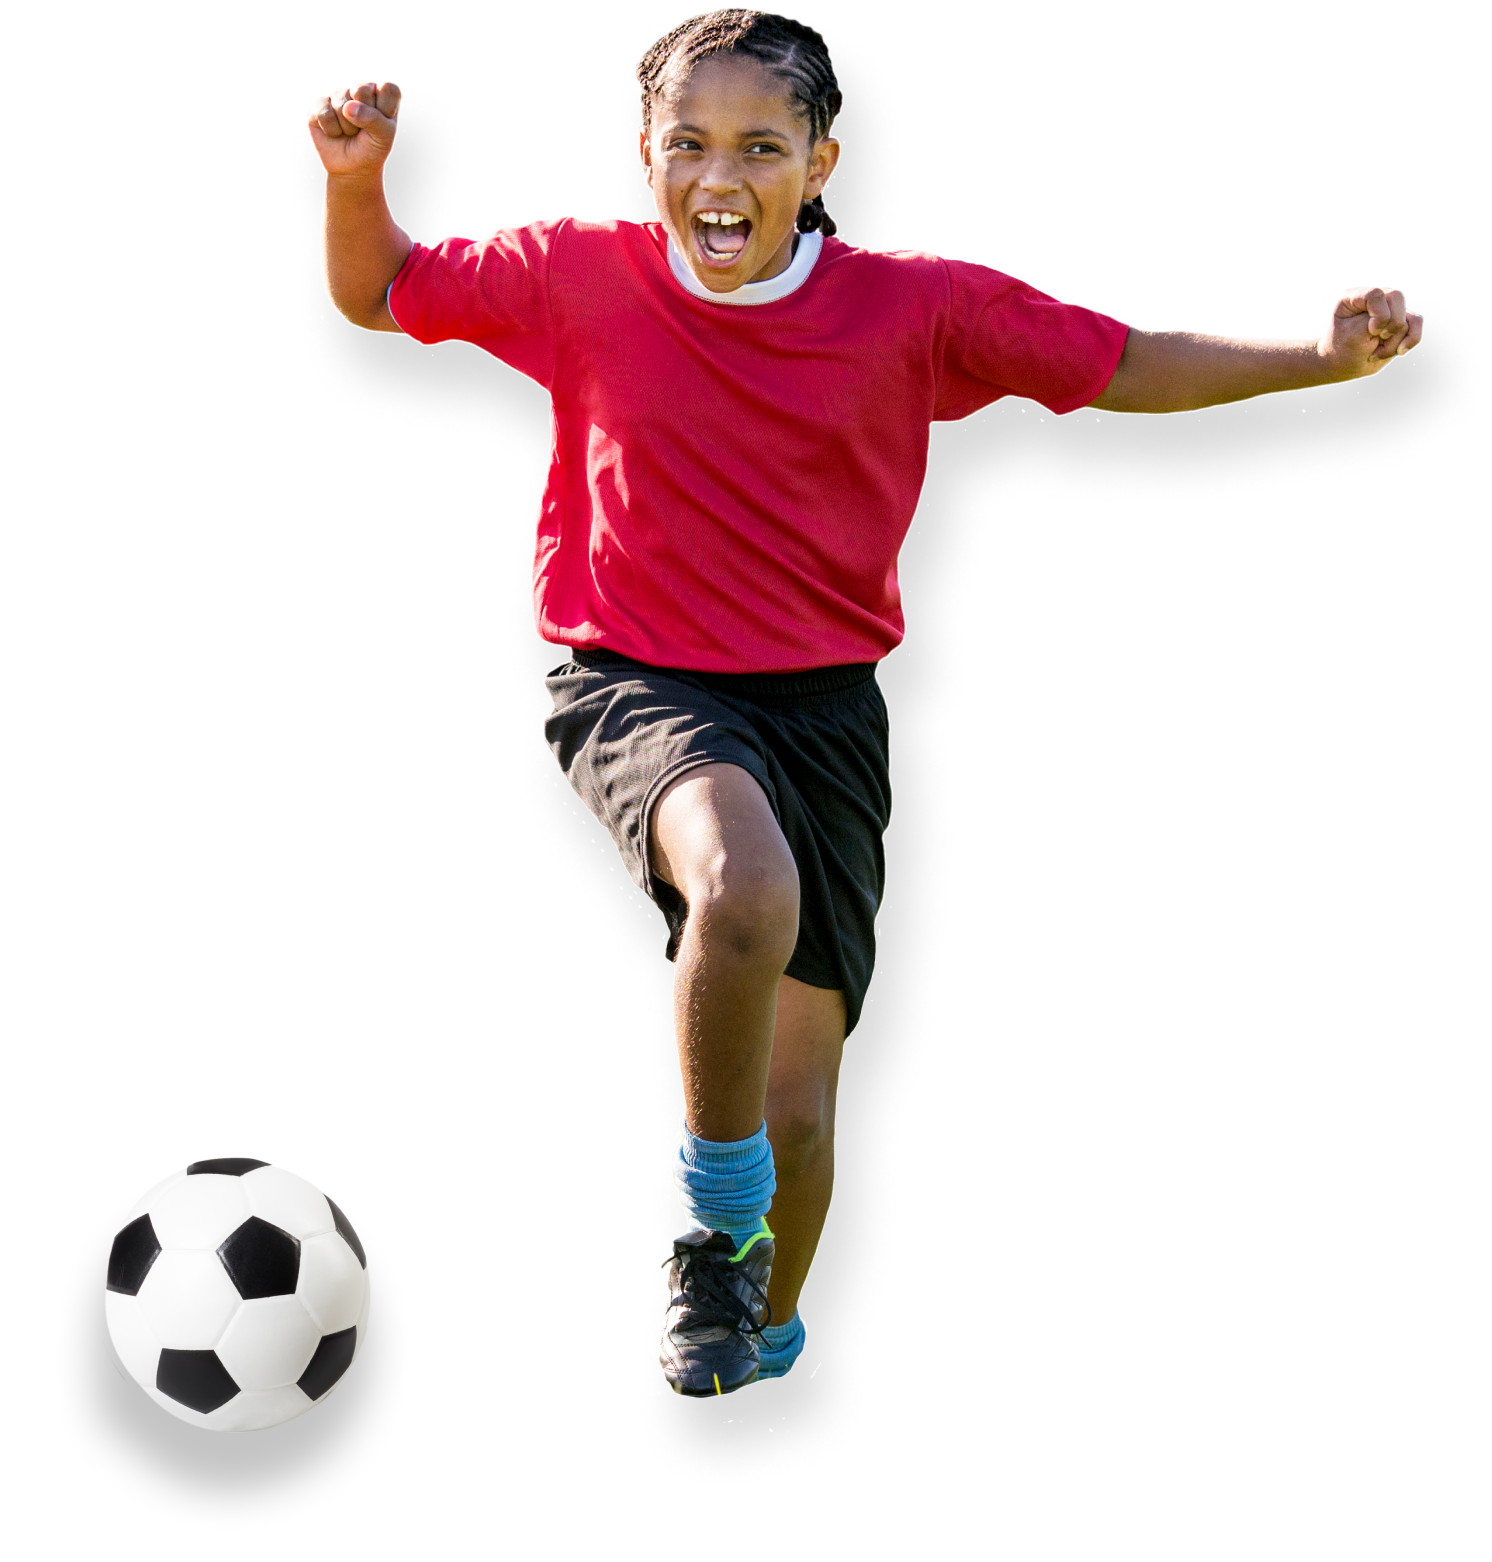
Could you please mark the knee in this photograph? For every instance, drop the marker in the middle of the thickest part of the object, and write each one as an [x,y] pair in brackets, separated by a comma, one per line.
[749,909]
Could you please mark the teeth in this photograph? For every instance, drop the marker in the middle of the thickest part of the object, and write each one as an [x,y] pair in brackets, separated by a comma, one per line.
[724,219]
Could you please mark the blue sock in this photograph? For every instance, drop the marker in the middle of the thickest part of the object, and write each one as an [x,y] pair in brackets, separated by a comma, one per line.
[782,1344]
[726,1186]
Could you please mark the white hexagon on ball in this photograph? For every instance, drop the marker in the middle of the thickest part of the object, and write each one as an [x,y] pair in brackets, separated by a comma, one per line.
[237,1294]
[199,1211]
[188,1298]
[133,1338]
[269,1343]
[332,1283]
[287,1201]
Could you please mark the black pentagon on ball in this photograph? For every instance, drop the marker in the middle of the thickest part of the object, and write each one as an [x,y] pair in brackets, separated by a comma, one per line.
[261,1260]
[333,1357]
[349,1236]
[230,1166]
[135,1249]
[194,1378]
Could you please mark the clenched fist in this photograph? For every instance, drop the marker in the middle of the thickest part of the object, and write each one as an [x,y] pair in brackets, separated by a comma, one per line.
[354,131]
[1367,330]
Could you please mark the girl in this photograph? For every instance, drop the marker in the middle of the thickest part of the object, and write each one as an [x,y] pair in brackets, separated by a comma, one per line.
[741,412]
[739,435]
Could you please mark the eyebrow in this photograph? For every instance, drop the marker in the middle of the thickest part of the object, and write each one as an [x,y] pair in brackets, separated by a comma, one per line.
[780,135]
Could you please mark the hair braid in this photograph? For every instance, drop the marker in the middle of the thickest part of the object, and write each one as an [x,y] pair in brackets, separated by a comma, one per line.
[794,52]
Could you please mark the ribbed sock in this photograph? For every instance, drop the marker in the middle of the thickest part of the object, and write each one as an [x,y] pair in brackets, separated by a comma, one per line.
[726,1186]
[782,1344]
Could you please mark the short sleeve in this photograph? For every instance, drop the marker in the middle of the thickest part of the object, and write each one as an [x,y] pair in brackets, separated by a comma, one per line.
[1004,338]
[495,294]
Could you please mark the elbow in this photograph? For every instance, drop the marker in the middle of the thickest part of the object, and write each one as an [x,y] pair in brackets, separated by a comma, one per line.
[341,308]
[364,319]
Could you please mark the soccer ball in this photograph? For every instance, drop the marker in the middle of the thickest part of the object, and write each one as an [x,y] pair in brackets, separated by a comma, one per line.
[237,1295]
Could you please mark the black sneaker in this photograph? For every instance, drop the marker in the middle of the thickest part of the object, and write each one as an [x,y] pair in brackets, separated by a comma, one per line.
[717,1309]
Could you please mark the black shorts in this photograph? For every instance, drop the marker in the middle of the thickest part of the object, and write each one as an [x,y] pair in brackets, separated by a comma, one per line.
[817,743]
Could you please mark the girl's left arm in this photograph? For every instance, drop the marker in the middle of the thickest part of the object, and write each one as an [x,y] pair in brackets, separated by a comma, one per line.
[1176,371]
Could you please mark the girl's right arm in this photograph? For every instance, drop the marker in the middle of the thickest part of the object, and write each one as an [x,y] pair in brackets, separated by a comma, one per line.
[365,247]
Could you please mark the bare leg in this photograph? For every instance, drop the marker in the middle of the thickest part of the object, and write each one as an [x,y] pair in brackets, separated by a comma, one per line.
[713,836]
[799,1214]
[801,1091]
[724,1017]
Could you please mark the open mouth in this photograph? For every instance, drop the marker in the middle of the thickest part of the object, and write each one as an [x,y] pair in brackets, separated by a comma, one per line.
[721,236]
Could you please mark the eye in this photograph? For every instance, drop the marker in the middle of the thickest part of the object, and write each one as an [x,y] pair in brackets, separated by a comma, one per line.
[764,146]
[689,141]
[683,144]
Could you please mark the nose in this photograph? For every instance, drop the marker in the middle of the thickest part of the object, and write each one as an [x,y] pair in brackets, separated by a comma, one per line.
[721,174]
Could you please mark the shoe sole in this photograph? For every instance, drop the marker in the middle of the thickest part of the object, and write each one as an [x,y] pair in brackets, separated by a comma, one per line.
[707,1393]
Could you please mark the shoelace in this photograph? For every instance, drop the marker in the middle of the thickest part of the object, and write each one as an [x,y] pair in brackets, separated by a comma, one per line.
[703,1279]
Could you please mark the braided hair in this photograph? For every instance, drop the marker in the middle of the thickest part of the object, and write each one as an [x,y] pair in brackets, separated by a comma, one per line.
[788,48]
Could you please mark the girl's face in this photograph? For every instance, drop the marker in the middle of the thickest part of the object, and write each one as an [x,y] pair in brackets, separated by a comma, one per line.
[729,165]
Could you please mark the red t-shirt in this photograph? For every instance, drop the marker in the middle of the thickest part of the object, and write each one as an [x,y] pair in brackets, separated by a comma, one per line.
[730,487]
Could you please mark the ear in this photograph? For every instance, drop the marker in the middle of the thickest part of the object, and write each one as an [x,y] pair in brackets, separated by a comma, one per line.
[822,162]
[645,147]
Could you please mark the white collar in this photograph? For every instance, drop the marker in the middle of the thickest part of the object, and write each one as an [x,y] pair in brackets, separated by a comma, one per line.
[768,292]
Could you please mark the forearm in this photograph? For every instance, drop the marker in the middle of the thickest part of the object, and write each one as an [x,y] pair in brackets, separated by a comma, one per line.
[1179,371]
[365,248]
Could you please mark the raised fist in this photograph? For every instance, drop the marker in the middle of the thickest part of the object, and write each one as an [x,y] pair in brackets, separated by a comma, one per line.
[354,131]
[1368,329]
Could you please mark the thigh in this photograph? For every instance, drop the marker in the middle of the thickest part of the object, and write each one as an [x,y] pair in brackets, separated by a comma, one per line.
[831,773]
[624,733]
[713,826]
